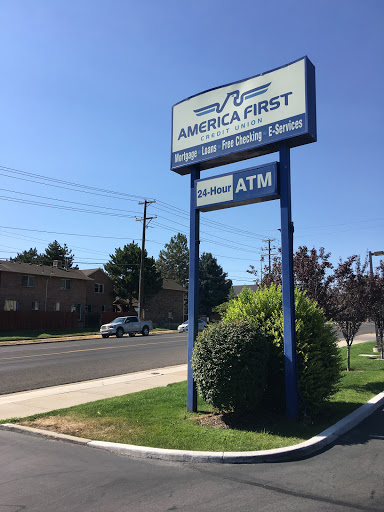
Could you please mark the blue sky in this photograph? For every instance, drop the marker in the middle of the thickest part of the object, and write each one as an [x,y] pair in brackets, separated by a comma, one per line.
[86,94]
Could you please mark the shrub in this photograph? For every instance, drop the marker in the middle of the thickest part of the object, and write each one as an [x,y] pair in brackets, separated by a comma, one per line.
[230,365]
[318,359]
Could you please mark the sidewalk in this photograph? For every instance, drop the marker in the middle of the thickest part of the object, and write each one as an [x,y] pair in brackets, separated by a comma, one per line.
[19,405]
[360,338]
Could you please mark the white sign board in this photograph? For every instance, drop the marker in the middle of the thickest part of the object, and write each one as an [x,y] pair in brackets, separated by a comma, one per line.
[245,119]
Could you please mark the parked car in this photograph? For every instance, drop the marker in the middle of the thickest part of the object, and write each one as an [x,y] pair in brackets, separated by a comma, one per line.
[126,325]
[184,326]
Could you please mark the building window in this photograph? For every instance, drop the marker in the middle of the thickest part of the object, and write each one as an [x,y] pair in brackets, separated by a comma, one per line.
[56,306]
[11,305]
[35,306]
[76,308]
[88,308]
[103,309]
[28,281]
[65,284]
[99,288]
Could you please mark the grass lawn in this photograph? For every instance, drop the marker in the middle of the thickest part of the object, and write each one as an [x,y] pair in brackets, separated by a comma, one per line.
[158,417]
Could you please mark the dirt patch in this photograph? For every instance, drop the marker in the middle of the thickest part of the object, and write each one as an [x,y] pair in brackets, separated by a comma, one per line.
[212,421]
[229,420]
[58,424]
[76,427]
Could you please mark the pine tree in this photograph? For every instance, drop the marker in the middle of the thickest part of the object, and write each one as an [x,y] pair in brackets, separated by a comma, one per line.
[55,251]
[173,261]
[124,270]
[214,287]
[31,256]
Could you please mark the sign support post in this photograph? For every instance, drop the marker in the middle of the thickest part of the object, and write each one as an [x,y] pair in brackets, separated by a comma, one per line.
[193,288]
[270,112]
[288,284]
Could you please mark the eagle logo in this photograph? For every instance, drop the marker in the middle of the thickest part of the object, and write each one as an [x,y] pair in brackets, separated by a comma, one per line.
[237,100]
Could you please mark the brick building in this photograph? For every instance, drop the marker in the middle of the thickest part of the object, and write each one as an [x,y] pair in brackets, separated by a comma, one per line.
[28,287]
[167,306]
[99,291]
[99,297]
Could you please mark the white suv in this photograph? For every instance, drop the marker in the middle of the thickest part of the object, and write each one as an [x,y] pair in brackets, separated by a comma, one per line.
[184,326]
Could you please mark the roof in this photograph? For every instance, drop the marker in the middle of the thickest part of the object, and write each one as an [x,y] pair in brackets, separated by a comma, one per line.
[238,288]
[89,271]
[170,284]
[42,270]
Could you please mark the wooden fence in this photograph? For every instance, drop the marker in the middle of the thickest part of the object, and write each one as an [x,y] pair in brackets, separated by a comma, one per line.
[35,320]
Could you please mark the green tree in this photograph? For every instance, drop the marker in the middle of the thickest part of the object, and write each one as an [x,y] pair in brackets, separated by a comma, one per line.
[349,298]
[173,261]
[55,251]
[31,256]
[124,270]
[214,286]
[312,274]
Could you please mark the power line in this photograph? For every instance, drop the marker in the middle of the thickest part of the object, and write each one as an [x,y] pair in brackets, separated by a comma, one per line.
[63,233]
[111,210]
[77,185]
[249,247]
[65,201]
[68,185]
[217,224]
[342,224]
[25,176]
[76,234]
[67,208]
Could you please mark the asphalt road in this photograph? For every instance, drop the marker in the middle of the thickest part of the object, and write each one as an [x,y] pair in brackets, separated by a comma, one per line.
[365,328]
[44,475]
[26,367]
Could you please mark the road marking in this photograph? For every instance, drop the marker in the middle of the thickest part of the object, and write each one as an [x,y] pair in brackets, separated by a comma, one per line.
[89,350]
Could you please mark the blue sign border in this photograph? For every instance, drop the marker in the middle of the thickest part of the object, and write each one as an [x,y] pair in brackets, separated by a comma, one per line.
[267,193]
[268,142]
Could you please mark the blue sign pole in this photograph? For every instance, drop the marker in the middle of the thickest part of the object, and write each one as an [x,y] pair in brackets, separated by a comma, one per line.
[288,284]
[193,289]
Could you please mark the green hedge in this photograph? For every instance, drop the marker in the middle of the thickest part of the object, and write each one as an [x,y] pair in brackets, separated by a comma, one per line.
[318,360]
[230,365]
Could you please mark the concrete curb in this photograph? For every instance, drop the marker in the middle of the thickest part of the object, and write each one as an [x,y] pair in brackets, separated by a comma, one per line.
[289,453]
[38,341]
[47,434]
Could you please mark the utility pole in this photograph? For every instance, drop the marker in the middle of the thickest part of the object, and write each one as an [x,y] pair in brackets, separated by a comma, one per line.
[261,267]
[141,275]
[269,240]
